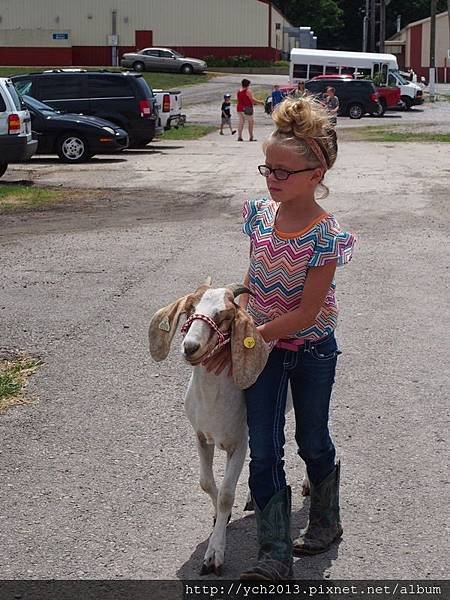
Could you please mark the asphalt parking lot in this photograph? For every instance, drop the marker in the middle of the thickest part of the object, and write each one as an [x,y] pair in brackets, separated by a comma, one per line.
[100,477]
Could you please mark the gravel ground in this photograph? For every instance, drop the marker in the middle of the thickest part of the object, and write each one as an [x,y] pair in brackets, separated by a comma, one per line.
[100,477]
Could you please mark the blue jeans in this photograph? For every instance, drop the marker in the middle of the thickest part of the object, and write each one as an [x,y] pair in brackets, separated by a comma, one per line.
[310,372]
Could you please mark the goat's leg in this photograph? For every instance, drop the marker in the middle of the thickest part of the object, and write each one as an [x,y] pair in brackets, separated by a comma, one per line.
[215,553]
[207,482]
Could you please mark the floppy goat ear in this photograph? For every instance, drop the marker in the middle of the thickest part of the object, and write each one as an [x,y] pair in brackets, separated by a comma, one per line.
[163,326]
[249,352]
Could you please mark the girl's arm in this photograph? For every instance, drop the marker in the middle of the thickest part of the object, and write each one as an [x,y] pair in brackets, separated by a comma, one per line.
[317,285]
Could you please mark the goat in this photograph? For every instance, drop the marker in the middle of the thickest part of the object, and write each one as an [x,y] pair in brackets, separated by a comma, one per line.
[215,404]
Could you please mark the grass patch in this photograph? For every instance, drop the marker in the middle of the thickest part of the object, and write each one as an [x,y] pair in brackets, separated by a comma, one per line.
[188,132]
[377,134]
[18,197]
[155,80]
[13,379]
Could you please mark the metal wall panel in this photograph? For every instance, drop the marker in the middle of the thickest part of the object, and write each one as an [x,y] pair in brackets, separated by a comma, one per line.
[173,22]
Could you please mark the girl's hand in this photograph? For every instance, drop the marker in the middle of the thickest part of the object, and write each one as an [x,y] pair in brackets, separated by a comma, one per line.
[220,361]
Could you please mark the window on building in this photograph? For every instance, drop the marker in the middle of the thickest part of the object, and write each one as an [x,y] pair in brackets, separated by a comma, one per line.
[300,71]
[106,86]
[315,70]
[61,87]
[277,26]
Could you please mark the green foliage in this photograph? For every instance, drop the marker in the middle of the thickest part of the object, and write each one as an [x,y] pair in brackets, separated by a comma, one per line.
[323,16]
[242,60]
[338,24]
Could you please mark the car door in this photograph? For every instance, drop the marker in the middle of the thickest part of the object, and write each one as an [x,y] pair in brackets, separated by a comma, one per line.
[64,91]
[151,59]
[167,61]
[112,98]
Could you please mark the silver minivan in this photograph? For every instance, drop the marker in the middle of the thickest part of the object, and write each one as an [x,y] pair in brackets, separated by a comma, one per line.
[16,141]
[162,59]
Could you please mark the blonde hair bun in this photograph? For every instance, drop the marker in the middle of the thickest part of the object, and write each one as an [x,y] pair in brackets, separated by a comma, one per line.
[302,117]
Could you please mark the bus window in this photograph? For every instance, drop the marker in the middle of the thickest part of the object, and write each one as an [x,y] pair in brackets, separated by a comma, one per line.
[315,70]
[347,70]
[300,72]
[384,70]
[331,70]
[363,73]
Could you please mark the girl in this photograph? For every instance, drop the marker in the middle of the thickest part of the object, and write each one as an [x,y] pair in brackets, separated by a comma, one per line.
[295,246]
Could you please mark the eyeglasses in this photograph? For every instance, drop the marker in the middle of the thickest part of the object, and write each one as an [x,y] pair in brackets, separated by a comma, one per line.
[280,174]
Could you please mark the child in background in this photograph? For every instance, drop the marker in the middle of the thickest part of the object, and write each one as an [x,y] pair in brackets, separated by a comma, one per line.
[277,96]
[226,114]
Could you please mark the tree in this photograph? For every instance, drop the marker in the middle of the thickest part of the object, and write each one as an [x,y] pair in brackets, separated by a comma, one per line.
[323,16]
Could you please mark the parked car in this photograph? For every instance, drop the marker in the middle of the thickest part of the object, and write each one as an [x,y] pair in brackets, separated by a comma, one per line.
[162,59]
[122,98]
[357,97]
[16,141]
[388,96]
[74,138]
[169,109]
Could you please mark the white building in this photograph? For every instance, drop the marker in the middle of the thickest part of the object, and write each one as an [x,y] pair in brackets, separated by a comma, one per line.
[92,32]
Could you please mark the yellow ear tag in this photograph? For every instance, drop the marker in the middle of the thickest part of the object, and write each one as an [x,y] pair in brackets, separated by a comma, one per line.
[165,325]
[249,342]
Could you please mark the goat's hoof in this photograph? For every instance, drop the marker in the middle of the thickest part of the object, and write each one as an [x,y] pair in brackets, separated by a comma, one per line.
[249,506]
[305,490]
[211,567]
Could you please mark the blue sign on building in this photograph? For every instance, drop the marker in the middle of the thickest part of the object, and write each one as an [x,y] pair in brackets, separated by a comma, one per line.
[60,36]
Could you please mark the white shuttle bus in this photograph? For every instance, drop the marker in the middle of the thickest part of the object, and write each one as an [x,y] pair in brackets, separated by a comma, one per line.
[306,64]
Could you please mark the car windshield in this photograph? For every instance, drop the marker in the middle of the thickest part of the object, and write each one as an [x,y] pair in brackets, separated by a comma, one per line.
[401,79]
[37,105]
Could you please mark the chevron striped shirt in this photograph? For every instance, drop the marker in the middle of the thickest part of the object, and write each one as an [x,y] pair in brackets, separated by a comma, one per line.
[279,264]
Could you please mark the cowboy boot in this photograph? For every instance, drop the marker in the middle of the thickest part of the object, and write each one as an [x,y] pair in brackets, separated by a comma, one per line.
[324,525]
[274,538]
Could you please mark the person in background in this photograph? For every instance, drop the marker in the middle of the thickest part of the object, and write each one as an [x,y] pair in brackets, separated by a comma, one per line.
[244,108]
[277,96]
[299,91]
[226,114]
[332,104]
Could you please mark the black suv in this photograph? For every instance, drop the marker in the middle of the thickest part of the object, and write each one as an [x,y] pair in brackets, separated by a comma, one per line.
[356,96]
[122,98]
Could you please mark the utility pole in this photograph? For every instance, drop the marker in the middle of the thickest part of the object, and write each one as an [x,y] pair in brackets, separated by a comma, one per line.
[373,18]
[366,21]
[432,78]
[382,25]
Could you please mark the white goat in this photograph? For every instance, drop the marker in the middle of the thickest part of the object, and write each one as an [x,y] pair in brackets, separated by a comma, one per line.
[214,403]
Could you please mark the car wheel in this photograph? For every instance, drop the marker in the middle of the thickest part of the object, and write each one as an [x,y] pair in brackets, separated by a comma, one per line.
[407,101]
[138,66]
[3,167]
[73,148]
[355,111]
[187,69]
[381,108]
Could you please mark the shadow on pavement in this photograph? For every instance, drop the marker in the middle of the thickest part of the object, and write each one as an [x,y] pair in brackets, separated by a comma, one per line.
[241,551]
